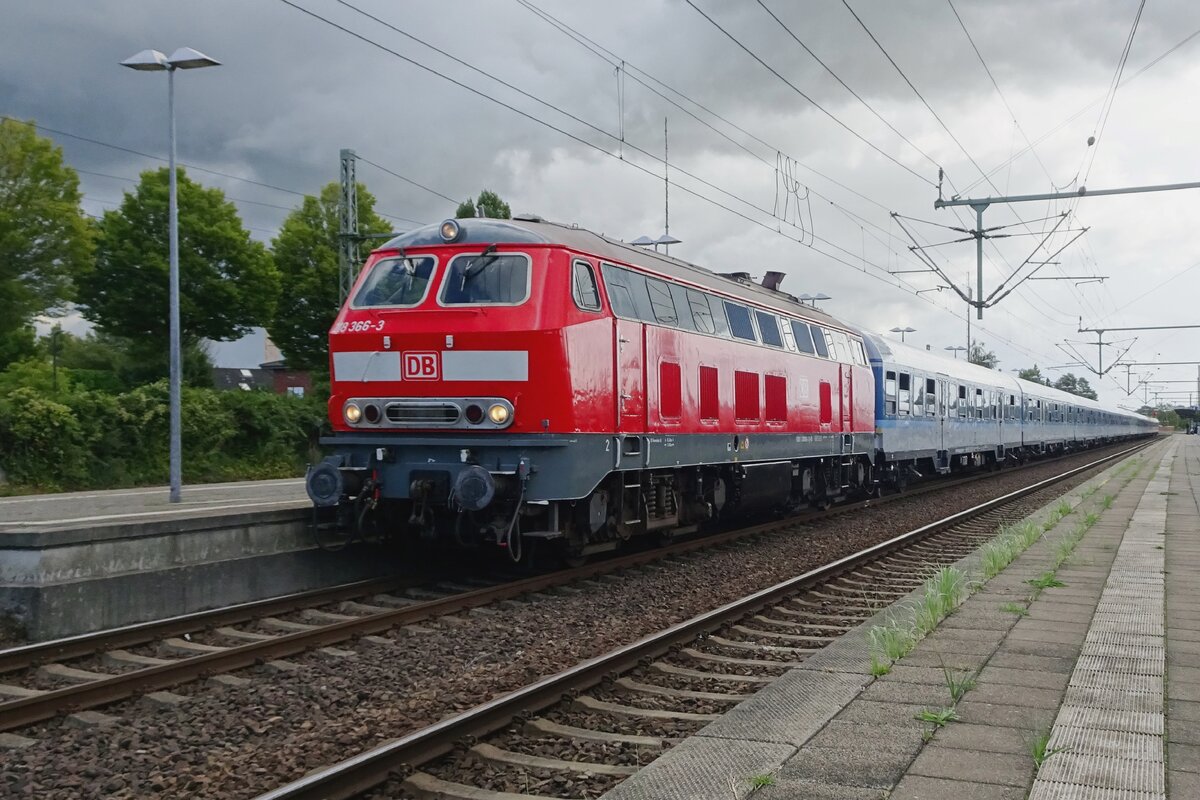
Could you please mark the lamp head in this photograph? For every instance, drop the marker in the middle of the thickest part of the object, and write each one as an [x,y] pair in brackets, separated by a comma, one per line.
[187,58]
[148,60]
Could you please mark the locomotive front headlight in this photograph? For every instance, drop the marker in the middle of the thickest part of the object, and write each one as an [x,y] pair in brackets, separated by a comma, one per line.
[352,413]
[498,414]
[450,230]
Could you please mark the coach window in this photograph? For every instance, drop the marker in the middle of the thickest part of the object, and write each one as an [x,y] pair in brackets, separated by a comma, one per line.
[739,322]
[702,316]
[963,406]
[719,320]
[583,286]
[930,396]
[860,353]
[661,303]
[495,279]
[789,339]
[768,326]
[804,339]
[818,337]
[683,308]
[904,383]
[979,404]
[889,393]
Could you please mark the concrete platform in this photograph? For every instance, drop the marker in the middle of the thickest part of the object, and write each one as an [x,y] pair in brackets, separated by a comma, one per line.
[1101,674]
[43,515]
[80,561]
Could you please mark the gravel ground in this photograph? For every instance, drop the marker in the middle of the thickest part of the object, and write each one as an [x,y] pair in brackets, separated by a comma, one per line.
[235,742]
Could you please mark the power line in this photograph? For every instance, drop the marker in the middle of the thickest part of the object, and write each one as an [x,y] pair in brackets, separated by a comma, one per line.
[813,102]
[1079,113]
[999,91]
[1112,92]
[406,180]
[193,167]
[845,86]
[152,157]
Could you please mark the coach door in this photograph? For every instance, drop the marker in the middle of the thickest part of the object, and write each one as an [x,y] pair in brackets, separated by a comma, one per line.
[630,376]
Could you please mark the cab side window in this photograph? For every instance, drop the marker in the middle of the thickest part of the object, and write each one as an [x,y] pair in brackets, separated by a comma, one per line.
[583,286]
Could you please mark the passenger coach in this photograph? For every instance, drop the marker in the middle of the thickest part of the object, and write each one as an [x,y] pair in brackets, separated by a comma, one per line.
[498,380]
[935,414]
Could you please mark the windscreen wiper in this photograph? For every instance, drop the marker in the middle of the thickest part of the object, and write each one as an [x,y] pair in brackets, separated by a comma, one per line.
[478,264]
[410,272]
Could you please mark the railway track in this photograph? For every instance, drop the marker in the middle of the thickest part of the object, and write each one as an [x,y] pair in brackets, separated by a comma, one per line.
[40,681]
[589,726]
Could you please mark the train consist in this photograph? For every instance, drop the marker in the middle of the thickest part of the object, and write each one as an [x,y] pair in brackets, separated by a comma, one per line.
[500,383]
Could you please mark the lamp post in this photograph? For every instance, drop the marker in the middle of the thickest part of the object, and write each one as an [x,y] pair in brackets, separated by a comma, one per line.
[955,348]
[154,61]
[903,331]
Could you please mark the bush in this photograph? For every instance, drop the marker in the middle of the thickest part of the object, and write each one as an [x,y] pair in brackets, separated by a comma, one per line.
[86,439]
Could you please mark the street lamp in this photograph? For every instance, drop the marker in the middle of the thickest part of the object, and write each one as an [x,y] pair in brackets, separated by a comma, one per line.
[955,348]
[154,61]
[903,331]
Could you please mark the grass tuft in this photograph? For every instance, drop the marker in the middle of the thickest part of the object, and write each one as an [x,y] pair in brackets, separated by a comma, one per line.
[1040,749]
[959,683]
[761,781]
[1045,581]
[937,716]
[1015,608]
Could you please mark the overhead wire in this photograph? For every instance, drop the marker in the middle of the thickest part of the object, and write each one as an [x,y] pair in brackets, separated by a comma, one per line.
[185,165]
[844,85]
[1106,110]
[811,101]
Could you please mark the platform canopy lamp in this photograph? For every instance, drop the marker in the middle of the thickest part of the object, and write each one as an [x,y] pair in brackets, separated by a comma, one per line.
[955,348]
[903,331]
[154,61]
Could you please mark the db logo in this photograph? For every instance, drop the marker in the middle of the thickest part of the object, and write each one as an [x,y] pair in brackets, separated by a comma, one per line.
[420,366]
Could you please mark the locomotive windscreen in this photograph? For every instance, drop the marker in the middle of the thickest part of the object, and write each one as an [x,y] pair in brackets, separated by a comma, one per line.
[396,282]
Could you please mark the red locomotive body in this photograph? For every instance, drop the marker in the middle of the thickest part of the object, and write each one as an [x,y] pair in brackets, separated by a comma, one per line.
[499,381]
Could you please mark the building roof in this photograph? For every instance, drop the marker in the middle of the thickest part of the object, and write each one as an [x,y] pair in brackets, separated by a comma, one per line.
[231,378]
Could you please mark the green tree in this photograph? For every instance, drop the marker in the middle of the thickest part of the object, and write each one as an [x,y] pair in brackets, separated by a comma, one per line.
[44,236]
[979,354]
[227,281]
[306,255]
[465,209]
[1076,386]
[1034,374]
[488,204]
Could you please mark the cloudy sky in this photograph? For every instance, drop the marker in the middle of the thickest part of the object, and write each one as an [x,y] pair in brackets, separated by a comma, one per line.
[777,160]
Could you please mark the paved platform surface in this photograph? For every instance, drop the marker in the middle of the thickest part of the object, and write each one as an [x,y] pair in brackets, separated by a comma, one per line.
[1101,675]
[56,512]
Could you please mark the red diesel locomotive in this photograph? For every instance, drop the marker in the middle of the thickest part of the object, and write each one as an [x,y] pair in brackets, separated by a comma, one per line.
[499,381]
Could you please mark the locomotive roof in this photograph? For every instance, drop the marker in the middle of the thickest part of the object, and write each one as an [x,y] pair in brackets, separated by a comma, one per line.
[527,230]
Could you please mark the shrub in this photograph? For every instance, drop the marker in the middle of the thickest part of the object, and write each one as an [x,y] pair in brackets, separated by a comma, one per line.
[86,439]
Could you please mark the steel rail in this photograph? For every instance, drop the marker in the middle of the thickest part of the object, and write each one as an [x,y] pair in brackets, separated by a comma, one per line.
[85,644]
[24,711]
[371,768]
